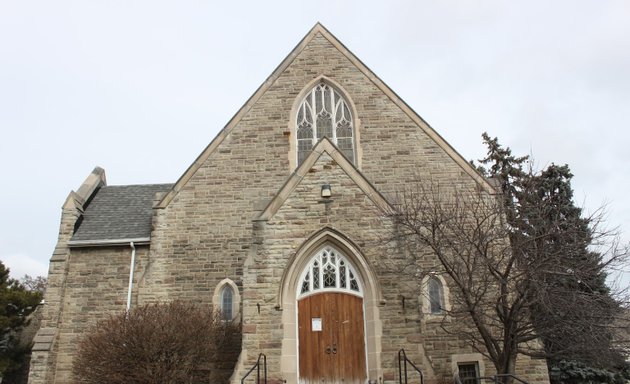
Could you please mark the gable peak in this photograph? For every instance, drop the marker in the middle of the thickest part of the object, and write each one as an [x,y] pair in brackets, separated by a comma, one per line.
[320,29]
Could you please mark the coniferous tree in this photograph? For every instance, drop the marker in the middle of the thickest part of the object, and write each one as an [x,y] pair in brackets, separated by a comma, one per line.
[573,306]
[16,303]
[522,266]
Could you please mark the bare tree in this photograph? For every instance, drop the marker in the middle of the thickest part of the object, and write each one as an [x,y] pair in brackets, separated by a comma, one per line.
[35,284]
[500,277]
[156,344]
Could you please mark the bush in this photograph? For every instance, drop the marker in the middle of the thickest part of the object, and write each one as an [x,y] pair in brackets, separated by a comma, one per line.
[160,343]
[573,372]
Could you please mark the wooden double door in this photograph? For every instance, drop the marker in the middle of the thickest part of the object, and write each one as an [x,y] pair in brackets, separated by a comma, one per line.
[331,339]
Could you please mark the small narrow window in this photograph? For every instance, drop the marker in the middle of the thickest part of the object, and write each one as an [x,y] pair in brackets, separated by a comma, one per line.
[227,302]
[468,373]
[436,295]
[324,113]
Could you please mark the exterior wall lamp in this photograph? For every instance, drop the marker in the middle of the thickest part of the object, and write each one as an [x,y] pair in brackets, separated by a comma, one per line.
[326,191]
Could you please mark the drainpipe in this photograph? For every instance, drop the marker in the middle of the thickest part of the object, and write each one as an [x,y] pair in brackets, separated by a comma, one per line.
[131,268]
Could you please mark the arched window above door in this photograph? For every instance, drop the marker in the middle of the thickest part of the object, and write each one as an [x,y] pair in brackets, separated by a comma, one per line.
[323,112]
[329,270]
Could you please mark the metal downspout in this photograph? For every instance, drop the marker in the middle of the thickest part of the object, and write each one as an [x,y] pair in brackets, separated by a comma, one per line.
[131,268]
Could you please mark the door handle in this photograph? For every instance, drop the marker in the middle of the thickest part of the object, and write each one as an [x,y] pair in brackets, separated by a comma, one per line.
[328,350]
[334,349]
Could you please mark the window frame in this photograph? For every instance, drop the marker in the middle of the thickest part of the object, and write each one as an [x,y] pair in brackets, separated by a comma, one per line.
[317,265]
[217,298]
[435,288]
[468,380]
[425,297]
[324,109]
[468,358]
[227,309]
[293,125]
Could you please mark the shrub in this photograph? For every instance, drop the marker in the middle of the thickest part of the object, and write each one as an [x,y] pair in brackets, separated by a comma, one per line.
[160,343]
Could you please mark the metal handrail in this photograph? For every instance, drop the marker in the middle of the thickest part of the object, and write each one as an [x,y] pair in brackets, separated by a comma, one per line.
[402,367]
[257,367]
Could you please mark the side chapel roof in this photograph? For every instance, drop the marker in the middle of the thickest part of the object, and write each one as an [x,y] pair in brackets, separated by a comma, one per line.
[118,213]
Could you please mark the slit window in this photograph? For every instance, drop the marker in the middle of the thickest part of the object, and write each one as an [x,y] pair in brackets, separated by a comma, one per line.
[436,295]
[227,302]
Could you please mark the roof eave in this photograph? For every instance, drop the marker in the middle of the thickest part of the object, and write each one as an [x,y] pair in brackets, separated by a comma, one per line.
[108,242]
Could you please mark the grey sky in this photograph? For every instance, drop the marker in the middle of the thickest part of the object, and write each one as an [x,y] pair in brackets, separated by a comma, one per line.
[141,87]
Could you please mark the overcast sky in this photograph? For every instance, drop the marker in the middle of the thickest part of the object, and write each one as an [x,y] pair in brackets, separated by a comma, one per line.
[141,87]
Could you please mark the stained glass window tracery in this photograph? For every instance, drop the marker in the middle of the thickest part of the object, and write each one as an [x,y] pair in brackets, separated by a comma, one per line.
[329,270]
[324,113]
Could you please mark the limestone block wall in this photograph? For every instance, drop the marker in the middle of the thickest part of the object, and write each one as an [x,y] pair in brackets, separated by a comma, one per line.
[44,351]
[268,329]
[95,287]
[206,232]
[394,150]
[203,235]
[272,331]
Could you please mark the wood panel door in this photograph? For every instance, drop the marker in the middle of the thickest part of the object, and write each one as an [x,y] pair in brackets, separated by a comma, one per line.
[331,339]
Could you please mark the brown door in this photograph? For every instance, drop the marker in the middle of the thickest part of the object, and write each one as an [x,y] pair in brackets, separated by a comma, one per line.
[332,346]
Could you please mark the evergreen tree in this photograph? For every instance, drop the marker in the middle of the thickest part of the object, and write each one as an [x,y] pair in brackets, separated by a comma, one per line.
[573,307]
[16,303]
[522,267]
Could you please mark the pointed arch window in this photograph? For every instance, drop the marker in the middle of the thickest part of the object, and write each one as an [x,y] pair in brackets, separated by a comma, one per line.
[329,270]
[436,295]
[227,302]
[324,113]
[227,299]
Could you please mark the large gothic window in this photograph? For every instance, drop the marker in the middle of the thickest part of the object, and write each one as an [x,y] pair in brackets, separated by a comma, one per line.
[323,112]
[329,270]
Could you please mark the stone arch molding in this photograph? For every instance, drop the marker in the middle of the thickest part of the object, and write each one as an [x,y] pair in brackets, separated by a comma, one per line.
[294,110]
[425,299]
[288,295]
[236,299]
[290,278]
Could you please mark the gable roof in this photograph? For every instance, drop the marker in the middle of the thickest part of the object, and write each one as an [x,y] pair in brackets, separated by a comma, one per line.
[323,146]
[117,215]
[319,29]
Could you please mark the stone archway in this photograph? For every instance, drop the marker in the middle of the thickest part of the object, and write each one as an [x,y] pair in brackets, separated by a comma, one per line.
[331,327]
[290,292]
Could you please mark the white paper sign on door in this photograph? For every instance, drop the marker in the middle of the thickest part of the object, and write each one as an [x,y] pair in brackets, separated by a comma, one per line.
[316,324]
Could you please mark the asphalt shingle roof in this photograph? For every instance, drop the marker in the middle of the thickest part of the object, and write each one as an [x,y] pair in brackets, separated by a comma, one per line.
[119,212]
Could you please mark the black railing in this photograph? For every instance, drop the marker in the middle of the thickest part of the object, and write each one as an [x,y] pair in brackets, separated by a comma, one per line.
[500,379]
[402,368]
[257,367]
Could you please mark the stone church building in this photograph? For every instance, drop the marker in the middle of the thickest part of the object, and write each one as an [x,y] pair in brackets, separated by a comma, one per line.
[279,223]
